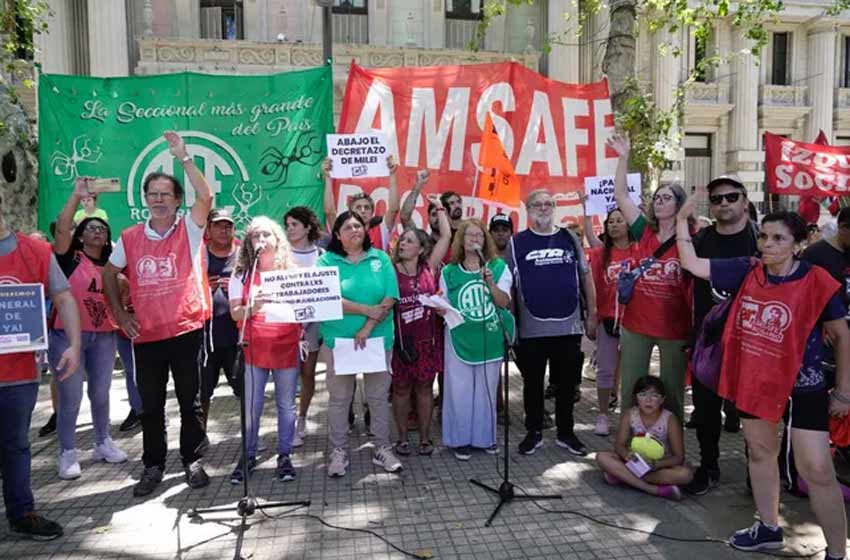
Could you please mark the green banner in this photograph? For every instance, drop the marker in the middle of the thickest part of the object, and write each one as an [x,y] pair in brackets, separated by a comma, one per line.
[259,140]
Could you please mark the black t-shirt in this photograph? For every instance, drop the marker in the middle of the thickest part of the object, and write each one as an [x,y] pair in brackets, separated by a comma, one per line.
[834,260]
[69,261]
[224,329]
[710,244]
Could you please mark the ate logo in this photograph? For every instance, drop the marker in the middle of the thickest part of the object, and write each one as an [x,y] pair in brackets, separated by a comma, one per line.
[474,302]
[664,272]
[153,270]
[765,319]
[543,257]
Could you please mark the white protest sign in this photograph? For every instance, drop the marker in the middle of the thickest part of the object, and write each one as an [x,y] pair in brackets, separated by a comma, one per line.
[302,295]
[600,193]
[358,155]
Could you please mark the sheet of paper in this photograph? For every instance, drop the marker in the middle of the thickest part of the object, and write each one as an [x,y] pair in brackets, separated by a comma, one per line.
[452,317]
[348,361]
[278,313]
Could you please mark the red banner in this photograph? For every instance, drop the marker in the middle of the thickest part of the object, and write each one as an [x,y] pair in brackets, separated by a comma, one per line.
[553,133]
[806,169]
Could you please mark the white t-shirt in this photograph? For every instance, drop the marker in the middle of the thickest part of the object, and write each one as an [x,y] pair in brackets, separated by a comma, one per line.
[307,258]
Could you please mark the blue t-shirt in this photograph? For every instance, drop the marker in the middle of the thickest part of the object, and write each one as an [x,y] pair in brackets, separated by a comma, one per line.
[729,274]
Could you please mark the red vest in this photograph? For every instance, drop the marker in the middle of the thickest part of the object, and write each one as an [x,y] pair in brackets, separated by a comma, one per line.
[87,288]
[168,297]
[765,337]
[270,345]
[605,281]
[29,263]
[661,303]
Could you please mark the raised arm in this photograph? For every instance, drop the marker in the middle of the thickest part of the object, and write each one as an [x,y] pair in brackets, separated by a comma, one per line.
[410,202]
[329,205]
[442,246]
[687,254]
[392,197]
[592,240]
[203,192]
[65,221]
[620,144]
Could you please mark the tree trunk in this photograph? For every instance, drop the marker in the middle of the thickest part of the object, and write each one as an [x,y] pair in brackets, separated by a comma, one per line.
[619,61]
[18,164]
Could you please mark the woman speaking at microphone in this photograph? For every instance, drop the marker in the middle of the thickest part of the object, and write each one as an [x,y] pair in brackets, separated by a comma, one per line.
[474,350]
[270,347]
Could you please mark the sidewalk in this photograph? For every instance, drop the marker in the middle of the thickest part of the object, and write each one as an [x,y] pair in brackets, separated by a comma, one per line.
[430,508]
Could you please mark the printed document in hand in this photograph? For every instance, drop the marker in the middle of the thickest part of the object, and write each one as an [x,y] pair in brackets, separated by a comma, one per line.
[348,361]
[452,316]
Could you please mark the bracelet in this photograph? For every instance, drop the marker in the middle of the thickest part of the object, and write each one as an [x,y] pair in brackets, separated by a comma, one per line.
[835,394]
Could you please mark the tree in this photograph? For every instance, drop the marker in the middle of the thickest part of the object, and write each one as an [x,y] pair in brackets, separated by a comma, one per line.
[20,22]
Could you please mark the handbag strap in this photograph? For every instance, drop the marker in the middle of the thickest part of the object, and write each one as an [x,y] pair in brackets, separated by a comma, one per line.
[664,247]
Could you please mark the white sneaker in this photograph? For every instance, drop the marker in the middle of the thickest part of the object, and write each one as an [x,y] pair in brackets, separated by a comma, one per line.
[109,452]
[338,463]
[385,458]
[602,428]
[300,429]
[69,467]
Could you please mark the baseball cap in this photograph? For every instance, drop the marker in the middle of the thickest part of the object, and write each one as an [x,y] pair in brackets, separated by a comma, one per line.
[732,180]
[501,220]
[220,214]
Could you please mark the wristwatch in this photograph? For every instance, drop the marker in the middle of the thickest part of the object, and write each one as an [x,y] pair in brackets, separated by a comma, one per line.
[186,159]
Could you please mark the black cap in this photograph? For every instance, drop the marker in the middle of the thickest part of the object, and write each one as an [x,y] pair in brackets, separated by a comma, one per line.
[501,220]
[219,215]
[732,180]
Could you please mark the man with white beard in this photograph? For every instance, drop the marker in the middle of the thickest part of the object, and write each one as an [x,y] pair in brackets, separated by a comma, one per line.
[556,304]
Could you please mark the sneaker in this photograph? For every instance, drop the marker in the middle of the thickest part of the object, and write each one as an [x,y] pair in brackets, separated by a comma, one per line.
[338,463]
[531,443]
[463,453]
[572,444]
[703,481]
[285,471]
[758,537]
[132,421]
[238,474]
[196,476]
[69,466]
[492,450]
[109,452]
[48,428]
[384,458]
[602,427]
[35,527]
[151,477]
[669,491]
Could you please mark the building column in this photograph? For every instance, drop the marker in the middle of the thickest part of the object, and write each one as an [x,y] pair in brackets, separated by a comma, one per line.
[744,154]
[379,22]
[435,24]
[821,60]
[188,19]
[665,73]
[54,46]
[564,56]
[108,38]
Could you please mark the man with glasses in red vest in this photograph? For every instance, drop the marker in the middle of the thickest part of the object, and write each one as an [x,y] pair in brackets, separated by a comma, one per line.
[163,261]
[24,260]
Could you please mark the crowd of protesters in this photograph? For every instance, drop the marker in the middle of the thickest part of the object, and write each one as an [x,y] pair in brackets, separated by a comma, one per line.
[173,294]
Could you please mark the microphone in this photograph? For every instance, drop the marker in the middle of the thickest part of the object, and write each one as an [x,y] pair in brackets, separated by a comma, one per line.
[258,248]
[480,255]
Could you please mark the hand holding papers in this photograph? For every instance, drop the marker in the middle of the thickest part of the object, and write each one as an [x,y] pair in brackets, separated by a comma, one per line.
[451,315]
[350,361]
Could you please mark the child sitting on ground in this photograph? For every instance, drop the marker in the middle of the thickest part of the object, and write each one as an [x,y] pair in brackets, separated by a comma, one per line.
[648,436]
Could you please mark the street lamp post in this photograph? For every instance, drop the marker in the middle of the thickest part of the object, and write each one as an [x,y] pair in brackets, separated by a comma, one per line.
[327,30]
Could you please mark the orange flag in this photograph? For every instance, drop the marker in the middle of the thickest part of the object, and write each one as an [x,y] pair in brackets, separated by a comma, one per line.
[497,180]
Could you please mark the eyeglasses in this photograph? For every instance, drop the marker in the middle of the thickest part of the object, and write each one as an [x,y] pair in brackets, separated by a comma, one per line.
[731,198]
[542,205]
[94,228]
[158,195]
[663,197]
[647,395]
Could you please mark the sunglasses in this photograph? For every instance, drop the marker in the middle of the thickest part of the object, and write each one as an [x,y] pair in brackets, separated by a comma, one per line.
[731,198]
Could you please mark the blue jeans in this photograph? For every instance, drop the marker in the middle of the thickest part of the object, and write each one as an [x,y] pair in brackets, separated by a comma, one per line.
[16,405]
[128,360]
[97,357]
[284,390]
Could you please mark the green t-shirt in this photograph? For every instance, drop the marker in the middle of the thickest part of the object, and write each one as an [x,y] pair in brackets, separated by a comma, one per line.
[368,282]
[80,215]
[638,226]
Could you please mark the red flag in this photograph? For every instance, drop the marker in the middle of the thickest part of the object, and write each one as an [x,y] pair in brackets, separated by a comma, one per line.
[497,181]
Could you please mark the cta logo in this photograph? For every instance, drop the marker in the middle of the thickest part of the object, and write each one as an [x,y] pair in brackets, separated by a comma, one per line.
[765,319]
[543,257]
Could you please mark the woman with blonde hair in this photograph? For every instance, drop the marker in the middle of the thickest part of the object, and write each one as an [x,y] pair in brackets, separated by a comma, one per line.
[270,348]
[474,350]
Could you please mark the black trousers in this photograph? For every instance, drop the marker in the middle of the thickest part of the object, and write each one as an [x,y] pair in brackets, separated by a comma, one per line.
[221,358]
[153,360]
[563,354]
[707,407]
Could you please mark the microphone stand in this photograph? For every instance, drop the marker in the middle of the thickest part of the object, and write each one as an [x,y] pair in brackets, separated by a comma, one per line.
[247,505]
[505,491]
